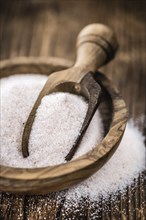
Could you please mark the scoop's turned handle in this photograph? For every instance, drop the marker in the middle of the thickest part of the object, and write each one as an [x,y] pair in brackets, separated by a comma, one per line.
[96,45]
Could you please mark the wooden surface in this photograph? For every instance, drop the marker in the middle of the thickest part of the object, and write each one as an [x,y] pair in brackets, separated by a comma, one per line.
[49,28]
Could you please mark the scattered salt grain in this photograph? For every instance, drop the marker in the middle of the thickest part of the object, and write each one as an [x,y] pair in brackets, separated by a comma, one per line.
[125,165]
[57,124]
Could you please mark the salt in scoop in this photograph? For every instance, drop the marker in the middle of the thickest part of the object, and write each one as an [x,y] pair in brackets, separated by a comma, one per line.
[96,45]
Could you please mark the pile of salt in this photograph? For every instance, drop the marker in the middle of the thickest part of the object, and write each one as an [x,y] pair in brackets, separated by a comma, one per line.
[61,115]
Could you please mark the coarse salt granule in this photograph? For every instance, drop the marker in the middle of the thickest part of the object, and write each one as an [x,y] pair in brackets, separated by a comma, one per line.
[56,126]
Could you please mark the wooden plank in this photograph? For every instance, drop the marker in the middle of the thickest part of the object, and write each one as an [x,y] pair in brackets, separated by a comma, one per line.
[71,211]
[142,194]
[95,209]
[115,207]
[131,197]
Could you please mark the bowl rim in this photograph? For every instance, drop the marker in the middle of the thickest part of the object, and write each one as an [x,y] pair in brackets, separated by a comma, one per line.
[58,177]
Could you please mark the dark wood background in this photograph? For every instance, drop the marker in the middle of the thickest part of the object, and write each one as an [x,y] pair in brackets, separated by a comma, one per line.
[49,28]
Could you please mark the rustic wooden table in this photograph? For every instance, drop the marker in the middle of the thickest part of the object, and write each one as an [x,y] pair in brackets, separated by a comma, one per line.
[49,28]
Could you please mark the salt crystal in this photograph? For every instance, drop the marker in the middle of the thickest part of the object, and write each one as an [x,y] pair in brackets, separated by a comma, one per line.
[125,165]
[56,126]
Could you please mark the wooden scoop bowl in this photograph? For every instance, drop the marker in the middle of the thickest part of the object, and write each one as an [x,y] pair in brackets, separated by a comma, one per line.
[112,108]
[96,45]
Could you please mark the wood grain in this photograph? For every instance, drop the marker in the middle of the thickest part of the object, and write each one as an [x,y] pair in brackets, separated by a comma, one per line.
[24,24]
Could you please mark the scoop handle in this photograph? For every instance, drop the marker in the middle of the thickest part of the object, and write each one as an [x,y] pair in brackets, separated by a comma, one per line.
[96,45]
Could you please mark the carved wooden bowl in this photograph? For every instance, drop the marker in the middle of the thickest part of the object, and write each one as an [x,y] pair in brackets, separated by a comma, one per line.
[55,178]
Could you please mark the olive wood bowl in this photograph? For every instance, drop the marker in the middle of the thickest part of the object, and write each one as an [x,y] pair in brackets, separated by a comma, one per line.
[55,178]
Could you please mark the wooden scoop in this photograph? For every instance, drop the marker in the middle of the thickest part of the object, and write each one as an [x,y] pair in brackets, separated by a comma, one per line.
[96,45]
[89,89]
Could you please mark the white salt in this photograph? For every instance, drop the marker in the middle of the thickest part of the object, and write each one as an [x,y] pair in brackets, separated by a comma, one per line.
[125,165]
[57,124]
